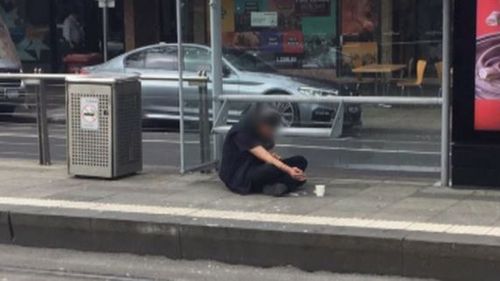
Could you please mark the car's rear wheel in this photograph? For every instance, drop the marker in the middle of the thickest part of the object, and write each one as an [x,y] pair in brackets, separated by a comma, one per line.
[289,111]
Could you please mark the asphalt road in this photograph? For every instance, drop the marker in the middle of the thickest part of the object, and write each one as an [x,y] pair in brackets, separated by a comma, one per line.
[27,264]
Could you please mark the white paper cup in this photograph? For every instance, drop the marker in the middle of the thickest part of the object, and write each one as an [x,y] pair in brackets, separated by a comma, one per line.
[320,190]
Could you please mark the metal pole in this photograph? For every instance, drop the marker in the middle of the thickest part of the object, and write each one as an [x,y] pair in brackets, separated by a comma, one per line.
[445,130]
[105,30]
[217,77]
[180,62]
[42,124]
[204,125]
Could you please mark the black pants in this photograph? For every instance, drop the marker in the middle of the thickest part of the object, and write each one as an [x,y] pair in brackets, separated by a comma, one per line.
[267,174]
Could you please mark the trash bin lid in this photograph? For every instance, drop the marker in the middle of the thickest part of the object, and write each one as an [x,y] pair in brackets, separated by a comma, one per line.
[102,78]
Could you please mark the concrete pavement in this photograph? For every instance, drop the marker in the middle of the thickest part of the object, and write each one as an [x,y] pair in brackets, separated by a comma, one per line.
[390,226]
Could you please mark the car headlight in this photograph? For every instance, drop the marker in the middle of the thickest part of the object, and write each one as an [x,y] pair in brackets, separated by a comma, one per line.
[316,92]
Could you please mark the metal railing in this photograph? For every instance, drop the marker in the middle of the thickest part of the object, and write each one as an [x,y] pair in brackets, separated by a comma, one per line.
[337,122]
[38,82]
[334,99]
[336,129]
[220,113]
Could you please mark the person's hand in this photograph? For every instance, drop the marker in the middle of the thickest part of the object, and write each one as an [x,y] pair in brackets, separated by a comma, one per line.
[297,174]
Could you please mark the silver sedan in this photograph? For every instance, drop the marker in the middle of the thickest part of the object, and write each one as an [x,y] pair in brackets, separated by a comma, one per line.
[244,73]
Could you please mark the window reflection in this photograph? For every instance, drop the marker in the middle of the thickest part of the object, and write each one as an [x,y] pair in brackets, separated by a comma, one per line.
[333,39]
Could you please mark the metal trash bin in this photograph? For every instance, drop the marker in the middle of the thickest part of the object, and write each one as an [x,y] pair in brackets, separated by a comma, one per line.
[104,126]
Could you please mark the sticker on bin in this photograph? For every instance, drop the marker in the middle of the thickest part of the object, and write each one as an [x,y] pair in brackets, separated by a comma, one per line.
[89,114]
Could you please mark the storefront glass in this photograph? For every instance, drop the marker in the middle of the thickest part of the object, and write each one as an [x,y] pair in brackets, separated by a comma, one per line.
[288,33]
[79,28]
[29,26]
[45,31]
[333,39]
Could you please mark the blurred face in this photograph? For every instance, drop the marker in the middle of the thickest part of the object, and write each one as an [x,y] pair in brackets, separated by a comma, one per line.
[266,131]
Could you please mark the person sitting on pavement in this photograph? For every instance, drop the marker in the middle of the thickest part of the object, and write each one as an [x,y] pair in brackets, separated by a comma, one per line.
[248,164]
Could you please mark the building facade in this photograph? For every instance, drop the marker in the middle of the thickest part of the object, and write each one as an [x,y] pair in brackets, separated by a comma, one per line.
[310,37]
[37,29]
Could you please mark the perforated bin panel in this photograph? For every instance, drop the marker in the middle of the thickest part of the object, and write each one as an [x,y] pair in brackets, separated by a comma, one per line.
[90,131]
[128,128]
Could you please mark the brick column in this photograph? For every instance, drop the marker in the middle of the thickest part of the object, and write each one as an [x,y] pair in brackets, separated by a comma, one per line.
[200,22]
[142,23]
[129,24]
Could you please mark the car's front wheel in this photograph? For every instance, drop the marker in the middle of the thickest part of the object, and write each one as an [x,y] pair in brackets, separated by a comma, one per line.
[289,111]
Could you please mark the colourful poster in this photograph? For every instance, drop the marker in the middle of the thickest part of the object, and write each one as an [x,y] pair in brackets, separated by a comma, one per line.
[7,47]
[293,42]
[264,19]
[28,38]
[359,17]
[248,6]
[271,42]
[283,6]
[228,15]
[322,27]
[228,39]
[487,102]
[241,40]
[313,8]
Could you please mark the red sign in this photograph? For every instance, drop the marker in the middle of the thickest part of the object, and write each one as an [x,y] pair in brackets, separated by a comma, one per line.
[293,42]
[487,73]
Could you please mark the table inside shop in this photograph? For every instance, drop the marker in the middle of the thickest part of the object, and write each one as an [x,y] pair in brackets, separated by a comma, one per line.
[381,72]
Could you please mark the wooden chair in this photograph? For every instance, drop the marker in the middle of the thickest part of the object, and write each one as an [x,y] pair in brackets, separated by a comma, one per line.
[418,82]
[410,69]
[439,70]
[407,73]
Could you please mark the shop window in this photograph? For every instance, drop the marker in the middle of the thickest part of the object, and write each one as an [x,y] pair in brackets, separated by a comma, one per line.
[8,54]
[284,33]
[29,25]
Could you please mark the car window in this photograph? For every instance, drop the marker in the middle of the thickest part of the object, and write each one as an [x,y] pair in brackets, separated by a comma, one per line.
[136,60]
[164,58]
[246,61]
[197,59]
